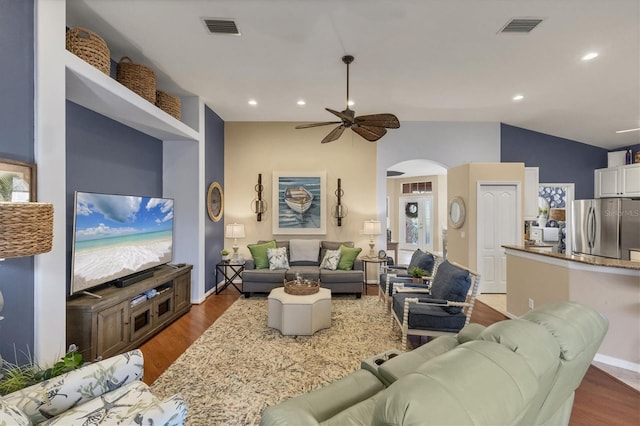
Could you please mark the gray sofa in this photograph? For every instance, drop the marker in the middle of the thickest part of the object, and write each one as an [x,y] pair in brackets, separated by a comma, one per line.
[338,281]
[515,372]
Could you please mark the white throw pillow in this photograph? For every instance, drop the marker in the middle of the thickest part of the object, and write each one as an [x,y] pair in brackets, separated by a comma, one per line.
[331,260]
[278,258]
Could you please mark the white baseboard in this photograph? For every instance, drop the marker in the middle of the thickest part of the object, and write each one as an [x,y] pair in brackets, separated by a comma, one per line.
[617,362]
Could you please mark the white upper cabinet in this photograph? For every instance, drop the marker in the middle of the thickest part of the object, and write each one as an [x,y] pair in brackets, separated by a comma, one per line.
[620,181]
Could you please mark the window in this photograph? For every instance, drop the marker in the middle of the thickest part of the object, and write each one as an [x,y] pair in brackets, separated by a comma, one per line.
[416,187]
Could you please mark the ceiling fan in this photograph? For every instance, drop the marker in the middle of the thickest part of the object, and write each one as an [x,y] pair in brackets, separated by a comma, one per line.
[371,127]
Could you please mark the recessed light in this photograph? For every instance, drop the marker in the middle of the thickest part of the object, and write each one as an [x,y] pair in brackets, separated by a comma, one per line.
[351,103]
[628,130]
[253,102]
[301,102]
[589,56]
[518,97]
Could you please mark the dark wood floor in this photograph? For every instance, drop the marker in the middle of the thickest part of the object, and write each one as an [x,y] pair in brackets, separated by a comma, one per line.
[600,399]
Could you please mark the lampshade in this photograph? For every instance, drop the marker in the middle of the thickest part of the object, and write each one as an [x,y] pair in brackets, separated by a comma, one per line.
[559,215]
[372,227]
[235,230]
[26,229]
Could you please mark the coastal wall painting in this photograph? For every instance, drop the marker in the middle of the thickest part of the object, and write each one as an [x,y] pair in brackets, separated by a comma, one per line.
[17,181]
[299,203]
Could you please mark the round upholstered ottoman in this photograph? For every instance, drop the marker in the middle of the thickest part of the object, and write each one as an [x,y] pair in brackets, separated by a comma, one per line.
[296,315]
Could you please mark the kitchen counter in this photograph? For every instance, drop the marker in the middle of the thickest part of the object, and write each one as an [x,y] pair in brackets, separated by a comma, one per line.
[610,286]
[590,260]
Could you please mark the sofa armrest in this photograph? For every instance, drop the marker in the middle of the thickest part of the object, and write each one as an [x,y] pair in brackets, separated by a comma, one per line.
[170,412]
[322,404]
[52,397]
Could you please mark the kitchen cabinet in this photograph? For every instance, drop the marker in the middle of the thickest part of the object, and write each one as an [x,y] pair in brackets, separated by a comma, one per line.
[620,181]
[531,178]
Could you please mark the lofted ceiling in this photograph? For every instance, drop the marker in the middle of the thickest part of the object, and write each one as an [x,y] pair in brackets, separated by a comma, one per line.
[422,60]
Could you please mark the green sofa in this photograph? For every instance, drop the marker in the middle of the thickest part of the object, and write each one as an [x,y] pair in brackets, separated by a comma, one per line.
[515,372]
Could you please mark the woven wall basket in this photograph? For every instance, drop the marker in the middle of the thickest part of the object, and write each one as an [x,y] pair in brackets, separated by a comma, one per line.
[89,47]
[26,229]
[138,78]
[169,104]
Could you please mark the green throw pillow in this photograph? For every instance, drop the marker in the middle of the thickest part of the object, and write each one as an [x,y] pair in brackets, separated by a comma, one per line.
[347,257]
[259,254]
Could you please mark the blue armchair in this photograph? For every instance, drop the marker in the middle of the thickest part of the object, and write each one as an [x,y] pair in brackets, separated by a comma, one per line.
[402,274]
[444,308]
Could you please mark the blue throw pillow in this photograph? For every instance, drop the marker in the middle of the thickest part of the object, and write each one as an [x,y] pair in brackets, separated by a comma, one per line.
[421,260]
[451,283]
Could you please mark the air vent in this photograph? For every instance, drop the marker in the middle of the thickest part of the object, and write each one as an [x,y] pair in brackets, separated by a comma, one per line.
[521,25]
[221,26]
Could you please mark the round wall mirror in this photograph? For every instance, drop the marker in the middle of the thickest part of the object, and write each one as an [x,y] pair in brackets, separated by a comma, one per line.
[457,212]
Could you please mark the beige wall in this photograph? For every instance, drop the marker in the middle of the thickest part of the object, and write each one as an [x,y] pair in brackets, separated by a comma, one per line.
[439,193]
[463,181]
[252,148]
[611,291]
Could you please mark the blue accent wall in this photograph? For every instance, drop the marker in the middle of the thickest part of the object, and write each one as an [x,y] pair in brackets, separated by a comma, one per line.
[214,172]
[108,157]
[17,143]
[559,160]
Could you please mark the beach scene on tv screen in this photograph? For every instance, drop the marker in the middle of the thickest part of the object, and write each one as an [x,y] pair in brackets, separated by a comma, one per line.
[118,235]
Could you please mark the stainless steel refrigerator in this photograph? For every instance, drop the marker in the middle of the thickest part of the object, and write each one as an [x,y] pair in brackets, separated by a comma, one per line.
[606,227]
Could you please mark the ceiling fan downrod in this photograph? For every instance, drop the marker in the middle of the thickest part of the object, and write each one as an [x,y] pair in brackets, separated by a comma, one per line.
[347,59]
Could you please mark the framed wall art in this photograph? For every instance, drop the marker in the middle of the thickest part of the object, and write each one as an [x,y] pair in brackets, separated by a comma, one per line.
[299,203]
[17,181]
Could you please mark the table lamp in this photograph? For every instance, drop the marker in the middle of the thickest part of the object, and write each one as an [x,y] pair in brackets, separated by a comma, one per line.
[235,231]
[372,228]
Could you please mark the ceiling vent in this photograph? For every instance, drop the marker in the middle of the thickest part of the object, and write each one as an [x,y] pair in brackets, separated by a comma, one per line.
[221,26]
[521,25]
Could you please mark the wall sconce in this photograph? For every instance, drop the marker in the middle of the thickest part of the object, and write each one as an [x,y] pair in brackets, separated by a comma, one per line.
[258,205]
[235,231]
[26,229]
[372,228]
[339,210]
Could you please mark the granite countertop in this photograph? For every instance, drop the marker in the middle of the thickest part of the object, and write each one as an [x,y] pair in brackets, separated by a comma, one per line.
[590,260]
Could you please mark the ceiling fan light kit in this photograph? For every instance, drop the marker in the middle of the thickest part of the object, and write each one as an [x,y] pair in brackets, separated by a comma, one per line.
[371,127]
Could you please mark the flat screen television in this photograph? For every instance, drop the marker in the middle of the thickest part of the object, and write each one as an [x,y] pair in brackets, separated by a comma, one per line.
[115,236]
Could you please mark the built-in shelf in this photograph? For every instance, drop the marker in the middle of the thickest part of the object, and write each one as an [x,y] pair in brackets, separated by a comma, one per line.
[89,87]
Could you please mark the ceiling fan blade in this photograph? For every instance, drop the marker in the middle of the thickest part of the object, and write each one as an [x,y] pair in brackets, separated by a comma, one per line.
[346,115]
[370,133]
[389,121]
[334,134]
[306,126]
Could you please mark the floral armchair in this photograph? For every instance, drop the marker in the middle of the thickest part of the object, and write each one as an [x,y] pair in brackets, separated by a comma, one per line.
[110,391]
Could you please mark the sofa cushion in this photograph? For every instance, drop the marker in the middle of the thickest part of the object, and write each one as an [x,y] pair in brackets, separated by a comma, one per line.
[428,317]
[304,250]
[340,276]
[259,253]
[264,276]
[278,258]
[11,415]
[332,245]
[330,260]
[347,257]
[451,283]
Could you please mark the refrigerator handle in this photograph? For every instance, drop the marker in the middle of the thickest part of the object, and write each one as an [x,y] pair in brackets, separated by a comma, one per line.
[588,228]
[592,230]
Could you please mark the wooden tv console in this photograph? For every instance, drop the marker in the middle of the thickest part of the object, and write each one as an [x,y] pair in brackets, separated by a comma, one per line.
[112,324]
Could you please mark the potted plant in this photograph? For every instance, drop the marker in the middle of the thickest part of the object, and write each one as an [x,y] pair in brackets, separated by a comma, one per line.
[225,254]
[542,216]
[417,274]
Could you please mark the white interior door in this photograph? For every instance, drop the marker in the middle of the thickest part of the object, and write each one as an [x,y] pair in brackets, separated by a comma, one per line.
[498,224]
[416,223]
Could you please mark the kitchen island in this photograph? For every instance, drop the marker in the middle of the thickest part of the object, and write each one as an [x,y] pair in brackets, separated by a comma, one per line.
[610,286]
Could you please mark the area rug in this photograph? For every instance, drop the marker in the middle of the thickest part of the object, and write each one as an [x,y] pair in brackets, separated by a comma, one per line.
[239,366]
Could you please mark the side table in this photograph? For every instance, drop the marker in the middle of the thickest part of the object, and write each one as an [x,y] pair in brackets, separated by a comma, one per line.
[376,260]
[230,271]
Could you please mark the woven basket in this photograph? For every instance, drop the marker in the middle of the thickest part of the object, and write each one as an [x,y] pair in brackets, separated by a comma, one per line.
[301,289]
[89,47]
[169,104]
[137,78]
[26,229]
